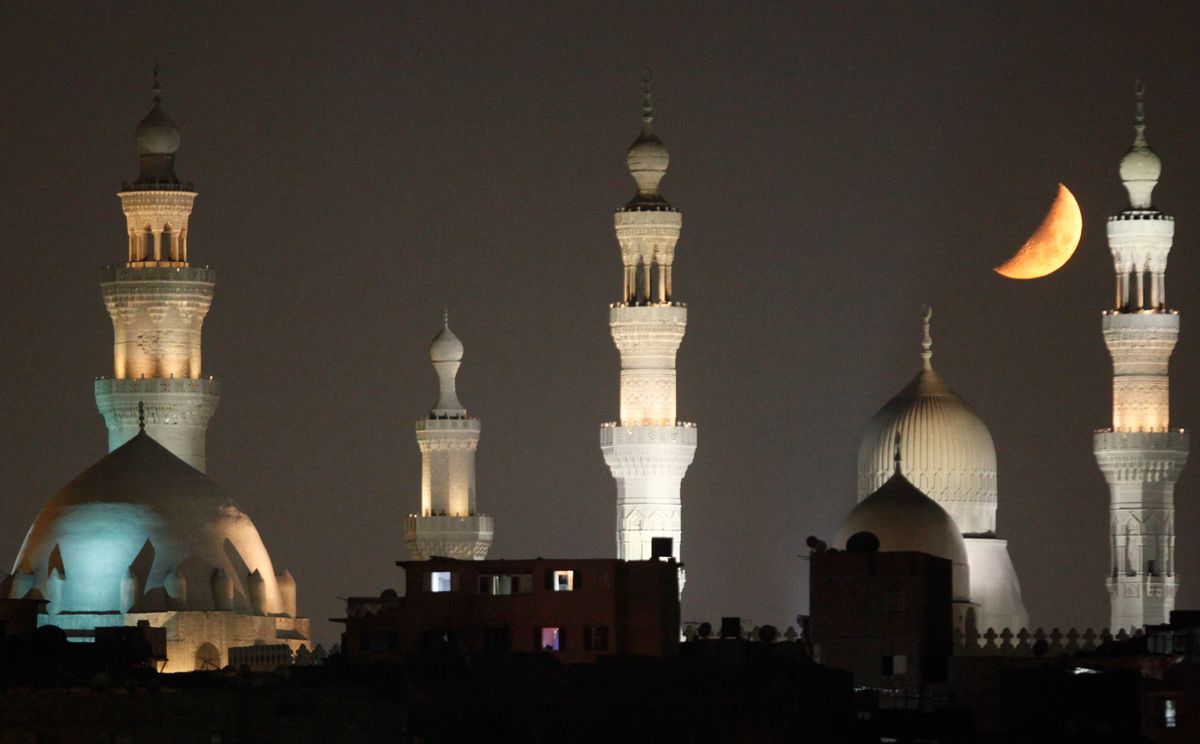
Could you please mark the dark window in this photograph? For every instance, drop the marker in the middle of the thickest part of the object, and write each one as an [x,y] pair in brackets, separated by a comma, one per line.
[496,639]
[600,638]
[587,638]
[379,640]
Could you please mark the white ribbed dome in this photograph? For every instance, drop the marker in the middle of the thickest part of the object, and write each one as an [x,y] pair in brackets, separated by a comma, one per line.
[903,518]
[1140,170]
[648,160]
[947,451]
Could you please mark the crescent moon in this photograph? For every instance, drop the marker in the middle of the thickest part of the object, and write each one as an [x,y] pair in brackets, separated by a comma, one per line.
[1052,244]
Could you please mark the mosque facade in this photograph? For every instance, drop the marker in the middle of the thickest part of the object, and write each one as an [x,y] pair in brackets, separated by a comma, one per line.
[1141,456]
[648,450]
[144,534]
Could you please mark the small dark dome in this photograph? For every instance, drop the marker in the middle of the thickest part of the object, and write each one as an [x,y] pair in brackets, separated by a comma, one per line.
[157,134]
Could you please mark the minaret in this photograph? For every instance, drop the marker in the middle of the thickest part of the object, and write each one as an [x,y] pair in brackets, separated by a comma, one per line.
[1141,456]
[648,451]
[448,525]
[157,301]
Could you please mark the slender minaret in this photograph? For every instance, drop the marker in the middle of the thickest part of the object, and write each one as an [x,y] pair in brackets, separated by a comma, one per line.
[448,525]
[648,451]
[1141,456]
[157,301]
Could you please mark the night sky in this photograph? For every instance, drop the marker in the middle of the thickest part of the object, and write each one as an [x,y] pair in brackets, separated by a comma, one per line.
[361,166]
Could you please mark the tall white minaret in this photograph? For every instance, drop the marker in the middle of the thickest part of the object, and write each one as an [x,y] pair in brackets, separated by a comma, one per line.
[1141,456]
[448,525]
[648,451]
[157,301]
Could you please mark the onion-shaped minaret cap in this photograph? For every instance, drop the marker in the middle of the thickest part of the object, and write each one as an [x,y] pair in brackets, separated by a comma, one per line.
[1141,167]
[446,347]
[647,157]
[156,133]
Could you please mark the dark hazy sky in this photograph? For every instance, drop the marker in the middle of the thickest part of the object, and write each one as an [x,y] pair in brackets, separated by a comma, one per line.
[361,165]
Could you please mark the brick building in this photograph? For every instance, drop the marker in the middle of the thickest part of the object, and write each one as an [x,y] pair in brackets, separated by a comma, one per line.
[577,609]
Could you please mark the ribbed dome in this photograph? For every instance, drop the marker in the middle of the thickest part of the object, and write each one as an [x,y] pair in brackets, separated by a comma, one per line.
[157,134]
[1140,170]
[903,519]
[143,531]
[446,347]
[648,160]
[947,451]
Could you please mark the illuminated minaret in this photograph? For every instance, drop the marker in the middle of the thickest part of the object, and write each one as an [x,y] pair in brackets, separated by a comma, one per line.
[448,525]
[157,301]
[648,451]
[1141,456]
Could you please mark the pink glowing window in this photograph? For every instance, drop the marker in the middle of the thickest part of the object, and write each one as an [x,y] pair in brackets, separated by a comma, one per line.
[551,638]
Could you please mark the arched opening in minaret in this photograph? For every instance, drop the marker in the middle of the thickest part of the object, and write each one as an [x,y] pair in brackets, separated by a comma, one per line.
[145,243]
[168,244]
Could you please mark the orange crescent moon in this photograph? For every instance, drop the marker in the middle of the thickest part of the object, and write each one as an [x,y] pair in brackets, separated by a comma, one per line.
[1052,244]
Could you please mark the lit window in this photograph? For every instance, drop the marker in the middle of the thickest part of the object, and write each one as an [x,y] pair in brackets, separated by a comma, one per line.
[564,581]
[439,581]
[1169,713]
[551,638]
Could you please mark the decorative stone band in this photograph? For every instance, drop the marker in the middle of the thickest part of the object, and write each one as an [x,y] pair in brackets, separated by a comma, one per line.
[1141,456]
[1141,240]
[173,274]
[448,434]
[150,202]
[649,236]
[650,331]
[1023,642]
[1140,343]
[176,411]
[648,451]
[465,538]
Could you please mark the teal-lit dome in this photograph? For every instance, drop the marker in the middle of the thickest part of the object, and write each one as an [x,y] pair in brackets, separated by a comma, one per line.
[143,531]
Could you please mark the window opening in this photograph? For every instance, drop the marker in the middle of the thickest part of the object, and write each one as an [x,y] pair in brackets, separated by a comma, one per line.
[439,581]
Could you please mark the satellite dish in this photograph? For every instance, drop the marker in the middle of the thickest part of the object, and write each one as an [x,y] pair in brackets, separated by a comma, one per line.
[863,542]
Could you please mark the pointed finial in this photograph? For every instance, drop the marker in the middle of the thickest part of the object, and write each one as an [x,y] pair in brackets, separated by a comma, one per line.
[897,455]
[157,87]
[926,339]
[446,315]
[141,416]
[1139,92]
[647,104]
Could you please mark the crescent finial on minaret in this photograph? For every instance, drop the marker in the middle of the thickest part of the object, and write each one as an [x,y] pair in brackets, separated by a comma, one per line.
[156,89]
[897,455]
[141,415]
[926,339]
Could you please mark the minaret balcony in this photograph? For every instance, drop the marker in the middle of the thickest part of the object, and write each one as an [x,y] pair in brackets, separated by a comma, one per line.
[157,271]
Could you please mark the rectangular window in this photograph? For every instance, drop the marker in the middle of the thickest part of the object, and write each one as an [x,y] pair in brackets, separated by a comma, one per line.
[564,581]
[500,584]
[440,581]
[600,638]
[551,639]
[1169,713]
[895,665]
